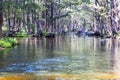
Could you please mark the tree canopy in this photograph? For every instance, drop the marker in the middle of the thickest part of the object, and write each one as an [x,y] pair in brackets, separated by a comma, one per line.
[30,16]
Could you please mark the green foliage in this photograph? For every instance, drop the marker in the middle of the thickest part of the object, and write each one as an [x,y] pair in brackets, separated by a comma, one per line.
[8,42]
[5,44]
[64,15]
[45,33]
[11,6]
[86,1]
[4,28]
[70,3]
[32,27]
[33,6]
[21,34]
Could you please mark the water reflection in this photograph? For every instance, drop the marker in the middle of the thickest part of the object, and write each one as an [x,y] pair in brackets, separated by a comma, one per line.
[64,54]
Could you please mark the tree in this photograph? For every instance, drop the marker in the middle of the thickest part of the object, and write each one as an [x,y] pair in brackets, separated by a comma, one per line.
[1,18]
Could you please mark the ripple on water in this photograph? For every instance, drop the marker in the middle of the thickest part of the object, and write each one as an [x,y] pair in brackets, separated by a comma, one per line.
[53,64]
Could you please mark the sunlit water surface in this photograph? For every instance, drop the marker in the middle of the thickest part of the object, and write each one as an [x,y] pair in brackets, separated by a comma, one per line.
[64,58]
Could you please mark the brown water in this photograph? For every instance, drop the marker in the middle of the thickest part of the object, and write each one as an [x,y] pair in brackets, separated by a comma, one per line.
[63,58]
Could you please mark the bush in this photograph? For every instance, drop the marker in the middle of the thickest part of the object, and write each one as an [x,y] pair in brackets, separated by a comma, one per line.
[8,42]
[5,44]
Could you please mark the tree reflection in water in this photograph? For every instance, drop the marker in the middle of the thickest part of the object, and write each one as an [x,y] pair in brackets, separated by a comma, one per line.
[78,56]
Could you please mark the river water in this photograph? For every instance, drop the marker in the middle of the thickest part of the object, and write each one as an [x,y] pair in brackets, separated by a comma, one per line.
[66,57]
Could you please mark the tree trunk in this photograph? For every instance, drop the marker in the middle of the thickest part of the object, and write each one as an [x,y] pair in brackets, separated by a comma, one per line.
[1,19]
[52,24]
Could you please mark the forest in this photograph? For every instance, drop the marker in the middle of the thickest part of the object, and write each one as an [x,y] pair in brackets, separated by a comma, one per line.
[57,16]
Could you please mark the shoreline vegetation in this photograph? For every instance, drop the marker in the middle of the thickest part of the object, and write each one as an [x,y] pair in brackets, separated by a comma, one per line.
[10,41]
[7,42]
[46,18]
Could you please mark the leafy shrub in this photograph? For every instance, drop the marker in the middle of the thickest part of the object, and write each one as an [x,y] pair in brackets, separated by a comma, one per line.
[45,33]
[8,42]
[5,44]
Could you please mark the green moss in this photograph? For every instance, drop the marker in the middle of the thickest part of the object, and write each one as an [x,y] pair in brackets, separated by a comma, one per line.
[8,42]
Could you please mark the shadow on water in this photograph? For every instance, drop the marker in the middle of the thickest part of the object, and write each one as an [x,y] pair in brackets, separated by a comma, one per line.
[64,57]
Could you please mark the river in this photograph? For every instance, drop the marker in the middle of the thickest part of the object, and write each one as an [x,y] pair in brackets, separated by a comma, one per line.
[66,57]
